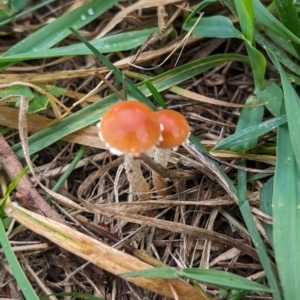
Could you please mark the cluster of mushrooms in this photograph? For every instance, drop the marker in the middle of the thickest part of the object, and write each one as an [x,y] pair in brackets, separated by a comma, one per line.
[131,128]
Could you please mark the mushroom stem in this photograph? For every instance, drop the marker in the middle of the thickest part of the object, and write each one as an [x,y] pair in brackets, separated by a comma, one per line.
[158,168]
[175,130]
[161,157]
[135,177]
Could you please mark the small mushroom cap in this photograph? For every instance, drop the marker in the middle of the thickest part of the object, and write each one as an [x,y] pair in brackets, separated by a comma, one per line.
[175,128]
[129,127]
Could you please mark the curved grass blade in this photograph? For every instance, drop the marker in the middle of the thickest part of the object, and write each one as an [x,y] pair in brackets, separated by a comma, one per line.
[215,26]
[250,133]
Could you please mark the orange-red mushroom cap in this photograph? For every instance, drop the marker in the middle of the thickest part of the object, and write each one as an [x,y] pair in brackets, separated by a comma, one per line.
[175,128]
[129,127]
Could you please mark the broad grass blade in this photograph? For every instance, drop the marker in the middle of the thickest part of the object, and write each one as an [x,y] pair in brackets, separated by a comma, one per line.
[250,133]
[56,31]
[292,108]
[286,215]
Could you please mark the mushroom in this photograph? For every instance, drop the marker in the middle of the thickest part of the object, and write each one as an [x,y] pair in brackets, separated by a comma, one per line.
[175,130]
[130,128]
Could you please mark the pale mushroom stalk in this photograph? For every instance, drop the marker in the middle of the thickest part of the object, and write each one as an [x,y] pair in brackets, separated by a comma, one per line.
[175,130]
[135,177]
[161,157]
[130,128]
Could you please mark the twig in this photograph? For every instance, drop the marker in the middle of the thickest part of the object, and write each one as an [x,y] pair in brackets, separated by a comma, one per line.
[25,189]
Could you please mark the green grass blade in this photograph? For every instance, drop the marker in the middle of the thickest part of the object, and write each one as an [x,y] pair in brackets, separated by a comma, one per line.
[265,205]
[289,18]
[51,34]
[159,272]
[197,9]
[10,189]
[63,178]
[72,123]
[286,215]
[238,295]
[255,236]
[177,75]
[279,41]
[259,65]
[245,15]
[7,19]
[112,43]
[17,271]
[10,7]
[215,277]
[292,107]
[280,55]
[263,16]
[215,26]
[136,93]
[272,95]
[249,117]
[222,279]
[156,95]
[250,133]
